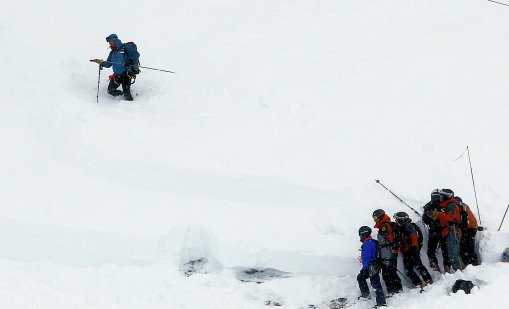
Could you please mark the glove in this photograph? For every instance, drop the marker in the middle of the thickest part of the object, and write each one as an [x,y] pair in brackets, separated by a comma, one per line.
[364,274]
[434,214]
[98,61]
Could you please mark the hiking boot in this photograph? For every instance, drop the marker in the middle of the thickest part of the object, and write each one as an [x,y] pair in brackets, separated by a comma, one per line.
[447,268]
[428,282]
[364,297]
[116,93]
[380,306]
[128,97]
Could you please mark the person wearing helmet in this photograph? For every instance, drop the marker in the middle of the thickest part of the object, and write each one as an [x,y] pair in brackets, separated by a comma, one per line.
[468,226]
[411,251]
[429,218]
[388,244]
[370,269]
[449,218]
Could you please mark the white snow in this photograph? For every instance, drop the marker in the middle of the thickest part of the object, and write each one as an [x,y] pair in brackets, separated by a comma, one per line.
[260,151]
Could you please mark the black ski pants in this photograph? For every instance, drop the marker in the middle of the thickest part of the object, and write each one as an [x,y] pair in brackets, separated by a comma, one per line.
[412,262]
[362,278]
[120,79]
[434,238]
[467,247]
[389,269]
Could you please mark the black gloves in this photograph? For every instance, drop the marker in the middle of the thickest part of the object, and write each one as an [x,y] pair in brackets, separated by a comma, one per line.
[364,274]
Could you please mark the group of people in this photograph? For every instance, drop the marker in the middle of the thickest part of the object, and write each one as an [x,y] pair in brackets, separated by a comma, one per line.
[451,225]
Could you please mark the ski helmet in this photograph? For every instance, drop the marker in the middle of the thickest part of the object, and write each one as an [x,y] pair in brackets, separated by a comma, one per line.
[457,198]
[436,196]
[402,217]
[378,214]
[364,231]
[447,194]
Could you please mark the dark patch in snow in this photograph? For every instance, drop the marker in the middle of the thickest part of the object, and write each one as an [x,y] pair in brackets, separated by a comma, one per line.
[259,275]
[195,267]
[337,303]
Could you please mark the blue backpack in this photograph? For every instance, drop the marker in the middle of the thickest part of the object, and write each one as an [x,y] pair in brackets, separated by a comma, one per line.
[133,58]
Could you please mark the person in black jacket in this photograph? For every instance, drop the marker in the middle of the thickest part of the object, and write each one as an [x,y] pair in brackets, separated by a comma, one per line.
[469,227]
[411,251]
[434,234]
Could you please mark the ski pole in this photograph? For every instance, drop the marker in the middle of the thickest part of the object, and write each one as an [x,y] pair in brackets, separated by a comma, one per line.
[416,212]
[503,218]
[143,67]
[473,183]
[498,2]
[156,69]
[404,277]
[98,81]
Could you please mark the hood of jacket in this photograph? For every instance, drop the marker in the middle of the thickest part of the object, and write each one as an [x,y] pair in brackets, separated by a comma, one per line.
[116,40]
[385,219]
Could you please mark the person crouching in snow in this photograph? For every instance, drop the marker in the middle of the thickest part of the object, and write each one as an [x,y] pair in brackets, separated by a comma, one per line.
[370,268]
[119,60]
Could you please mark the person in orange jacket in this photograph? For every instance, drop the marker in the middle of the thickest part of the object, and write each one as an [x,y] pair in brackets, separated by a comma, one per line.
[448,215]
[468,226]
[388,243]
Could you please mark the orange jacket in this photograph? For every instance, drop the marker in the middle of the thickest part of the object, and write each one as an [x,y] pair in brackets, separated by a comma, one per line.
[386,231]
[471,221]
[449,215]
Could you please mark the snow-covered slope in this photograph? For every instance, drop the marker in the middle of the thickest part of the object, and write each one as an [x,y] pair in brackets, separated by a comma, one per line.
[260,151]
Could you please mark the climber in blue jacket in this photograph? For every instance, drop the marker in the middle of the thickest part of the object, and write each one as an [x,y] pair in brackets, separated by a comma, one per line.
[370,268]
[124,59]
